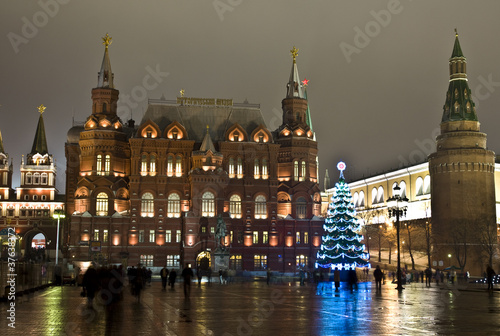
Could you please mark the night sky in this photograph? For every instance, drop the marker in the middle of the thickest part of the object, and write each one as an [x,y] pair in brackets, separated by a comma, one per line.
[378,70]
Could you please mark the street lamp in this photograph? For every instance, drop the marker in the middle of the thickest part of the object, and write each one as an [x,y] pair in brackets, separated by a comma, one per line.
[397,207]
[58,215]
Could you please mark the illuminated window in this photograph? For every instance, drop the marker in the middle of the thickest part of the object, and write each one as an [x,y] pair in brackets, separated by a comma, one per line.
[374,196]
[173,260]
[208,204]
[144,163]
[301,261]
[259,262]
[419,184]
[235,206]
[265,237]
[168,236]
[295,170]
[380,195]
[361,198]
[239,168]
[178,166]
[427,184]
[105,236]
[264,169]
[102,204]
[255,238]
[152,236]
[231,168]
[303,171]
[99,164]
[297,237]
[152,163]
[301,207]
[147,205]
[141,236]
[256,169]
[178,236]
[107,164]
[96,234]
[355,199]
[43,179]
[174,205]
[170,165]
[306,237]
[235,262]
[212,230]
[260,207]
[146,260]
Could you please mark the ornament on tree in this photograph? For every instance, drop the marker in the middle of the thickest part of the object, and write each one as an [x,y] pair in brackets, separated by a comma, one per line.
[341,245]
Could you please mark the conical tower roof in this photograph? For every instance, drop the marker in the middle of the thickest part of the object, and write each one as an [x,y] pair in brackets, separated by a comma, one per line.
[40,141]
[207,143]
[458,105]
[105,76]
[294,90]
[305,82]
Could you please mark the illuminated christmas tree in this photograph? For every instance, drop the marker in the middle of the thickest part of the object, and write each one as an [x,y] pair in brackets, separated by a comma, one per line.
[341,245]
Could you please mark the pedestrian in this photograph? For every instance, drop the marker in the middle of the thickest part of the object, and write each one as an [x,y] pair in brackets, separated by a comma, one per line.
[90,284]
[352,279]
[164,277]
[336,278]
[422,276]
[490,273]
[428,276]
[171,278]
[378,275]
[187,275]
[220,276]
[437,276]
[199,275]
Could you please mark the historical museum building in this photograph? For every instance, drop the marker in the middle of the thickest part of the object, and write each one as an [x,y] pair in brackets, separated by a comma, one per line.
[454,191]
[152,193]
[27,214]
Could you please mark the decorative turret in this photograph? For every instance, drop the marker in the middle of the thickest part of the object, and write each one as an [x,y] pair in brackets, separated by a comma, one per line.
[207,158]
[293,88]
[207,143]
[326,181]
[39,150]
[294,105]
[459,104]
[106,76]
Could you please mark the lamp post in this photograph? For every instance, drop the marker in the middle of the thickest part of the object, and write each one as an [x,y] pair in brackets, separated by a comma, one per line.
[397,207]
[58,215]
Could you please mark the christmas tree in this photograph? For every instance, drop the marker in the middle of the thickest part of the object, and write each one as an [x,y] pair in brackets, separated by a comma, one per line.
[341,243]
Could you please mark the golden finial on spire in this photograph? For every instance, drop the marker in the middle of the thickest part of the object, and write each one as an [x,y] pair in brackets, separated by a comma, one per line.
[106,40]
[456,32]
[182,92]
[295,53]
[41,109]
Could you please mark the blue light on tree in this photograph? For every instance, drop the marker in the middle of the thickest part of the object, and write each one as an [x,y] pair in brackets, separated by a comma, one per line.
[341,245]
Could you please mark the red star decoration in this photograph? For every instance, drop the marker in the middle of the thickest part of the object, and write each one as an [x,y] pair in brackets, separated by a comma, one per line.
[305,82]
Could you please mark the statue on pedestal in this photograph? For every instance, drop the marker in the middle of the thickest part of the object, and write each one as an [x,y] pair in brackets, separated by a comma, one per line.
[220,233]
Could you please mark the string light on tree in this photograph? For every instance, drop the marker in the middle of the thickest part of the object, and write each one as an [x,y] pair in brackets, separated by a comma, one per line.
[341,245]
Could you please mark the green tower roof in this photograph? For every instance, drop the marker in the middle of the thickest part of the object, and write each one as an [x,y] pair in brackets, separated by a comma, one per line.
[457,51]
[40,141]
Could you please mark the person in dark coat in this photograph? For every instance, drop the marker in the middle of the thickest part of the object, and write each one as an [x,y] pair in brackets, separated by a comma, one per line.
[164,277]
[90,284]
[336,278]
[352,279]
[171,278]
[378,275]
[187,275]
[490,273]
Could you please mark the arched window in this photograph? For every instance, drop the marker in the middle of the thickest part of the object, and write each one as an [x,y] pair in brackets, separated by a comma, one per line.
[260,207]
[256,169]
[380,195]
[28,178]
[174,205]
[208,204]
[239,168]
[427,184]
[265,174]
[144,164]
[99,164]
[361,199]
[235,206]
[147,205]
[178,166]
[101,204]
[374,196]
[152,163]
[419,186]
[301,205]
[402,185]
[295,170]
[170,165]
[107,164]
[303,171]
[36,178]
[355,199]
[43,178]
[231,168]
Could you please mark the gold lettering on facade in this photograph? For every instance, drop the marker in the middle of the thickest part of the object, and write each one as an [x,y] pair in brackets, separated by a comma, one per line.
[204,101]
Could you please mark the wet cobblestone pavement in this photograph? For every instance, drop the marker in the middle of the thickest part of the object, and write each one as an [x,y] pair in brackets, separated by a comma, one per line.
[253,308]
